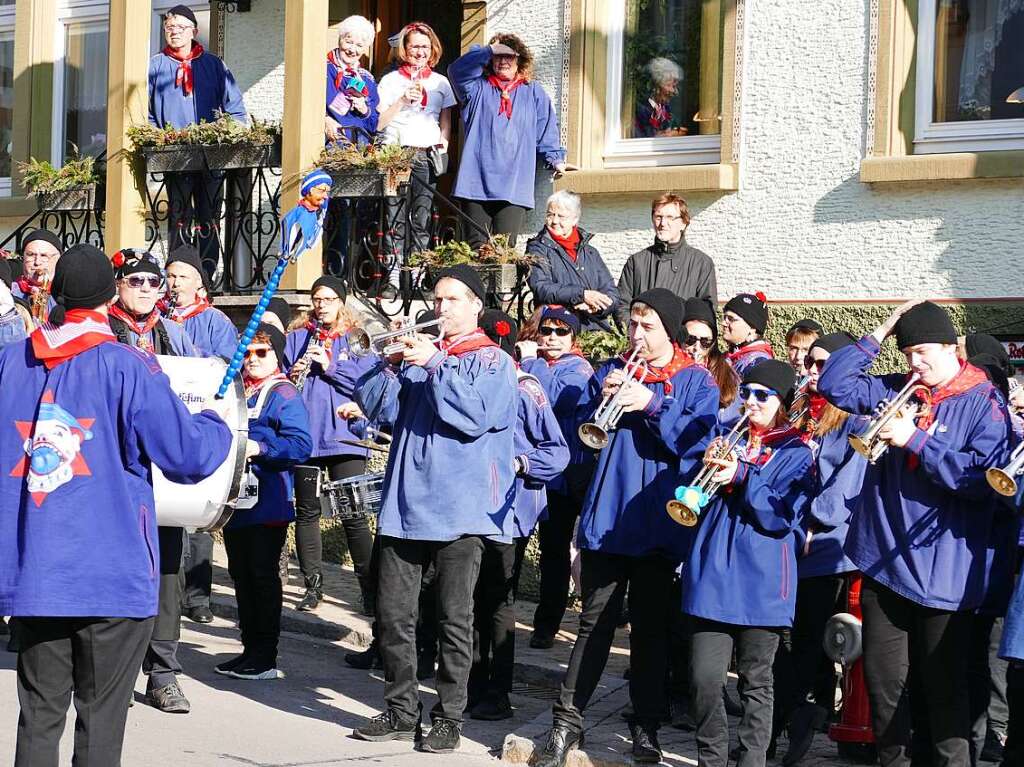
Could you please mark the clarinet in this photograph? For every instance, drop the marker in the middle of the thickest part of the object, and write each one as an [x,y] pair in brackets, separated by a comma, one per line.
[315,342]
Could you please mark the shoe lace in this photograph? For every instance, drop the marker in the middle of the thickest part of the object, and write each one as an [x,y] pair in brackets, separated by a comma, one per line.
[172,690]
[444,728]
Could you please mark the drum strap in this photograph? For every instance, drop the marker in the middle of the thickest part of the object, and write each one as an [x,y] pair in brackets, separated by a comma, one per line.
[261,401]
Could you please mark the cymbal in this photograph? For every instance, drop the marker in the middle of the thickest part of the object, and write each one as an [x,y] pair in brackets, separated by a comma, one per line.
[369,444]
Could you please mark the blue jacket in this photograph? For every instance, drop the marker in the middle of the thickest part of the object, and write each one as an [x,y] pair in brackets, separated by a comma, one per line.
[840,471]
[212,333]
[499,155]
[282,431]
[214,89]
[450,469]
[557,279]
[79,537]
[12,329]
[350,119]
[742,569]
[541,451]
[637,472]
[324,391]
[1012,645]
[565,380]
[924,532]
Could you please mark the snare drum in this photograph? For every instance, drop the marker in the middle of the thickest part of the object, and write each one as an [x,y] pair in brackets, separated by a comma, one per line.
[206,506]
[354,497]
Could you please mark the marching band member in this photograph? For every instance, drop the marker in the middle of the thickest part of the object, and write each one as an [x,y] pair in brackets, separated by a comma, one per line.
[701,341]
[668,416]
[922,530]
[453,410]
[278,439]
[744,319]
[553,358]
[541,454]
[799,338]
[78,557]
[739,582]
[40,251]
[319,352]
[821,564]
[210,330]
[278,314]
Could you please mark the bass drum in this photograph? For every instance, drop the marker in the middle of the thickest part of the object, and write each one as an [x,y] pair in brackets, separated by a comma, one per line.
[208,505]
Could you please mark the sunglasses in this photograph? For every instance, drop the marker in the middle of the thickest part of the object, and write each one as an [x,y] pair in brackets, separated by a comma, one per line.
[810,362]
[761,395]
[259,353]
[694,340]
[138,281]
[547,331]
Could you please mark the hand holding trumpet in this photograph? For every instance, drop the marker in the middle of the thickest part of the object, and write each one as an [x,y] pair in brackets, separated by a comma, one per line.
[633,397]
[727,464]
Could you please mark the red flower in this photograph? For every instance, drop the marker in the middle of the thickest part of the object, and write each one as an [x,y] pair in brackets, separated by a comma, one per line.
[761,297]
[117,259]
[502,328]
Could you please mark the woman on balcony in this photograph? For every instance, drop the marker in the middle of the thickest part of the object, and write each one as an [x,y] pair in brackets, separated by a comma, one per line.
[351,90]
[509,121]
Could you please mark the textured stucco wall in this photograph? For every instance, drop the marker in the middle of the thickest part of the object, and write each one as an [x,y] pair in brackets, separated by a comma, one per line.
[254,49]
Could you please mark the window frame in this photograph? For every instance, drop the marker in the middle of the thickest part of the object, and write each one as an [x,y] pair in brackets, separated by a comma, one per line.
[7,16]
[934,137]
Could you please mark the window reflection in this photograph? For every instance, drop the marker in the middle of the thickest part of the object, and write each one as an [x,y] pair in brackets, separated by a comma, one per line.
[6,103]
[85,90]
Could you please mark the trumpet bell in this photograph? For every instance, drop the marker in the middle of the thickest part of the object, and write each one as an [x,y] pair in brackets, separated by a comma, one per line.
[593,436]
[1001,482]
[862,446]
[681,513]
[359,342]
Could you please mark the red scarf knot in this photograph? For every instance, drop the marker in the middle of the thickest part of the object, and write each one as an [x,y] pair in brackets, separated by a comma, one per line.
[761,444]
[143,330]
[351,74]
[966,379]
[749,348]
[680,359]
[411,73]
[467,342]
[181,313]
[505,90]
[568,244]
[81,330]
[183,78]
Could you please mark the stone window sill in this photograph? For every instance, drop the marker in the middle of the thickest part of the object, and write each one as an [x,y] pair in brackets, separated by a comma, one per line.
[686,178]
[942,167]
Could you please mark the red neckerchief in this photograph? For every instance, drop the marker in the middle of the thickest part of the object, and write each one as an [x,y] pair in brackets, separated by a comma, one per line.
[28,287]
[182,313]
[142,331]
[323,336]
[254,385]
[467,342]
[680,359]
[749,348]
[505,88]
[183,77]
[344,70]
[660,116]
[965,380]
[81,330]
[761,444]
[410,73]
[568,244]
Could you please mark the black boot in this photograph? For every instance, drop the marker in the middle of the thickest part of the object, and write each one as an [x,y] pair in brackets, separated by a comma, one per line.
[367,659]
[561,740]
[314,593]
[646,749]
[803,725]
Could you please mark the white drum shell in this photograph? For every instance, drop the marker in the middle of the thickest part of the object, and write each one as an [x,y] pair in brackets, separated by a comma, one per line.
[207,505]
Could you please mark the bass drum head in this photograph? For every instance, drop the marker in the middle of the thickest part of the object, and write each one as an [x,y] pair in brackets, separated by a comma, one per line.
[205,506]
[843,640]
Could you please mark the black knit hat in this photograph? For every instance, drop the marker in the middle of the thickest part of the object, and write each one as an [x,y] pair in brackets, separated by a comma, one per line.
[45,236]
[467,275]
[185,254]
[135,261]
[281,309]
[667,306]
[276,341]
[993,369]
[983,343]
[84,278]
[806,324]
[925,323]
[500,328]
[776,375]
[751,308]
[701,310]
[183,11]
[833,341]
[331,282]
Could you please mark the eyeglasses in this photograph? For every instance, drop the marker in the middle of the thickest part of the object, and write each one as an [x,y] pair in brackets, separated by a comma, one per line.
[326,300]
[259,353]
[810,362]
[138,281]
[547,331]
[694,340]
[176,27]
[666,219]
[41,256]
[761,395]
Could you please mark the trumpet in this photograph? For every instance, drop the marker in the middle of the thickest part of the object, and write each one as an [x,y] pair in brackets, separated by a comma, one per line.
[388,342]
[594,434]
[1003,480]
[867,442]
[801,401]
[691,500]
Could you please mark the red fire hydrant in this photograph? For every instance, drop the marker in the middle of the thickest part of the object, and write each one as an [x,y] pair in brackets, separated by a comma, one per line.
[844,645]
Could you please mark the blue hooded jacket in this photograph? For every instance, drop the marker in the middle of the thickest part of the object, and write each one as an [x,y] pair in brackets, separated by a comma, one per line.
[212,333]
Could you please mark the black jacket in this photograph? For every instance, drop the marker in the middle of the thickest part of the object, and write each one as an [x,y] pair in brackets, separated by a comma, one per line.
[686,271]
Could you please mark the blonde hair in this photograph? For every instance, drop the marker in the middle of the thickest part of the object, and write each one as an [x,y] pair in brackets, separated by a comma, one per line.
[436,49]
[346,319]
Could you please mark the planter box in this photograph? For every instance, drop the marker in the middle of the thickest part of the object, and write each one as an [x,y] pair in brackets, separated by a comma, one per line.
[188,158]
[81,198]
[367,183]
[497,278]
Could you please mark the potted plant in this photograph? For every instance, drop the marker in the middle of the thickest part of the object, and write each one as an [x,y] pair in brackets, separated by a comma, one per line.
[373,170]
[70,187]
[223,144]
[600,345]
[497,262]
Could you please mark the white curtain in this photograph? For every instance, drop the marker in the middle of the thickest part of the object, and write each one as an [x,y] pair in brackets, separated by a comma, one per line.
[984,33]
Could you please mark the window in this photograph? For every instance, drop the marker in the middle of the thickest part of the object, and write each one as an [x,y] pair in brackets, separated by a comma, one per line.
[664,83]
[6,94]
[969,60]
[85,90]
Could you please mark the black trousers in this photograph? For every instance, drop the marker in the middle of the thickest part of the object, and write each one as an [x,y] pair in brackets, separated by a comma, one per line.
[194,202]
[421,200]
[712,646]
[254,552]
[1013,754]
[555,535]
[308,541]
[91,661]
[161,663]
[402,563]
[798,665]
[494,619]
[898,632]
[198,571]
[606,577]
[496,217]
